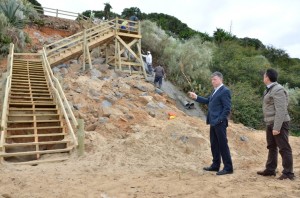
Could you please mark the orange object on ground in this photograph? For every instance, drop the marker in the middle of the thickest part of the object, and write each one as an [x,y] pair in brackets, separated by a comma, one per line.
[172,115]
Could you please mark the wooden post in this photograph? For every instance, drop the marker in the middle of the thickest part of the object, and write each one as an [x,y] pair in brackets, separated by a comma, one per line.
[106,53]
[116,44]
[80,135]
[84,49]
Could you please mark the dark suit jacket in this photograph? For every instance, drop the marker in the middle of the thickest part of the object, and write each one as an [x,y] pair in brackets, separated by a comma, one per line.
[219,106]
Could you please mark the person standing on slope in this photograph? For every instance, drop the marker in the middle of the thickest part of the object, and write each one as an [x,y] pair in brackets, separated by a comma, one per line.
[219,106]
[149,62]
[276,117]
[159,74]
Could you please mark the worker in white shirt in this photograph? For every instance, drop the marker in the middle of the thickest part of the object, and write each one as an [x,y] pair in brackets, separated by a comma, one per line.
[149,62]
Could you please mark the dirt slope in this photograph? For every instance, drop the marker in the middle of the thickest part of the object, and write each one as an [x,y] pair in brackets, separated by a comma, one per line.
[133,150]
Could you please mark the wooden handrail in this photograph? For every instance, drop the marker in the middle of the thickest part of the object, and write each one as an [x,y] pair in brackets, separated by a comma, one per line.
[60,96]
[77,38]
[58,12]
[6,93]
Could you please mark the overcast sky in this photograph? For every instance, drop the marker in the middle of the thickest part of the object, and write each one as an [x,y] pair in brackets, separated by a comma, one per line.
[273,22]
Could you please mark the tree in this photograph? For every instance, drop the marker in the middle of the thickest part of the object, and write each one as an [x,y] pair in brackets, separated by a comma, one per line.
[107,8]
[278,57]
[99,14]
[221,35]
[173,26]
[251,42]
[127,12]
[36,3]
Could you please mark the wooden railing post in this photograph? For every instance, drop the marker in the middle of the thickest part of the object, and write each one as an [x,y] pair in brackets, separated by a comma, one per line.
[84,49]
[80,135]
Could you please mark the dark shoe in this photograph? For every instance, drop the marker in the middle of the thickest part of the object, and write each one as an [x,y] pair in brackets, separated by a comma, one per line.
[211,169]
[287,176]
[224,172]
[266,173]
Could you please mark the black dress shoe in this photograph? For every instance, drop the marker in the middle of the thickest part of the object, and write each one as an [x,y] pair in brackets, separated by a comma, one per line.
[287,176]
[211,169]
[266,173]
[224,172]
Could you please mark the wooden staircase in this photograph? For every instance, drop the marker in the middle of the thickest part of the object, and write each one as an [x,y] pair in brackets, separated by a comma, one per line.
[73,46]
[34,122]
[36,116]
[105,34]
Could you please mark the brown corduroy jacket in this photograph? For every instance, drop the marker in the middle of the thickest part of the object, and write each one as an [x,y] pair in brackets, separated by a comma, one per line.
[275,106]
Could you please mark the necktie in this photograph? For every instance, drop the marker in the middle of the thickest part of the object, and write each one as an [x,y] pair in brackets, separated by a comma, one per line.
[213,93]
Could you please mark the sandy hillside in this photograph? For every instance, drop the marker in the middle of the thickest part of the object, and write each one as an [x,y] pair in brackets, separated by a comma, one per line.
[132,149]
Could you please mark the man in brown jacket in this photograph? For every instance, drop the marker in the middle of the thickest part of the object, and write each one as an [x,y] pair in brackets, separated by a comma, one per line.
[276,117]
[159,74]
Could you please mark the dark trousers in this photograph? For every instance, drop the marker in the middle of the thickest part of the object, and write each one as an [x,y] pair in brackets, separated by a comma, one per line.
[150,69]
[158,79]
[219,146]
[280,141]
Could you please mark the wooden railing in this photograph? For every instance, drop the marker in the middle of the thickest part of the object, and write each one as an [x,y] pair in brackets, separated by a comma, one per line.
[91,33]
[128,25]
[60,98]
[78,38]
[6,94]
[60,13]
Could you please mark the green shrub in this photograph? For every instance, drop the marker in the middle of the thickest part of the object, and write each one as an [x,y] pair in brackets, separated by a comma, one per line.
[246,105]
[294,109]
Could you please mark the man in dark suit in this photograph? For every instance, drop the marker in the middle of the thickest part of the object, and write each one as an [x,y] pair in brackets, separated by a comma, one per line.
[219,105]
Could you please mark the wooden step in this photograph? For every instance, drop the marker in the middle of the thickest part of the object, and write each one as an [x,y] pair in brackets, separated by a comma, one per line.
[16,117]
[35,135]
[14,82]
[35,143]
[36,152]
[15,90]
[28,70]
[45,95]
[31,85]
[20,105]
[31,109]
[32,81]
[39,161]
[31,97]
[26,63]
[32,128]
[31,121]
[30,102]
[21,66]
[24,73]
[26,76]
